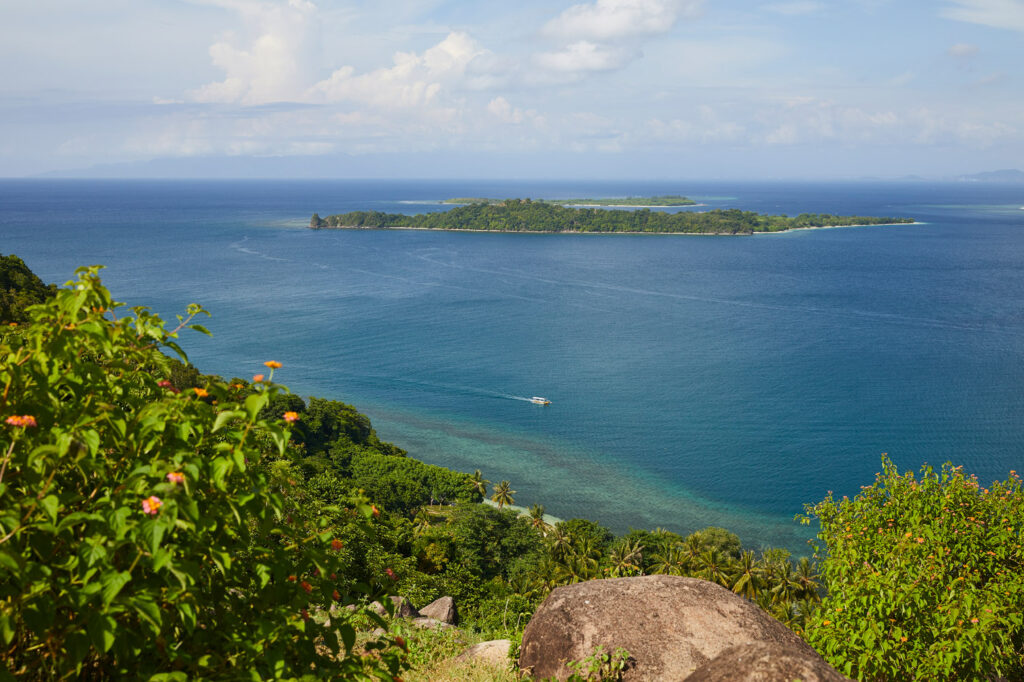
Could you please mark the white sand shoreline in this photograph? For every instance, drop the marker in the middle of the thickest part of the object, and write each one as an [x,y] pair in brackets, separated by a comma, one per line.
[648,234]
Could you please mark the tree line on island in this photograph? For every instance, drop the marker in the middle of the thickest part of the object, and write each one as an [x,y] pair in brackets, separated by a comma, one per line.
[157,521]
[525,215]
[661,200]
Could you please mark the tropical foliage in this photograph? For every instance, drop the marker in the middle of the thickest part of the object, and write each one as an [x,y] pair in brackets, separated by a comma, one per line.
[924,578]
[149,531]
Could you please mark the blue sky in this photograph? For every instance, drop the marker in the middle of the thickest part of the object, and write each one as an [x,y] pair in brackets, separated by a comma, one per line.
[608,88]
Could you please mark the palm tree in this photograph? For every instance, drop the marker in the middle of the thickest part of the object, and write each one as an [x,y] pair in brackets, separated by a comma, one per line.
[537,519]
[503,494]
[478,483]
[693,548]
[712,567]
[810,581]
[626,558]
[787,584]
[670,562]
[746,579]
[422,520]
[561,543]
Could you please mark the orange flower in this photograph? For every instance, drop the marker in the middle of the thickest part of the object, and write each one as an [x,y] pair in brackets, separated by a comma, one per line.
[974,620]
[257,378]
[151,505]
[374,510]
[24,420]
[920,540]
[306,586]
[291,417]
[336,544]
[176,477]
[201,392]
[273,364]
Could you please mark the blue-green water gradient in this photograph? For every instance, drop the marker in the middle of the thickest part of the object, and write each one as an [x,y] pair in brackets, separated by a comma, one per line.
[694,380]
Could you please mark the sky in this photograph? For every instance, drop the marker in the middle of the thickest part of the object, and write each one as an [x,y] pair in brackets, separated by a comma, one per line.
[673,89]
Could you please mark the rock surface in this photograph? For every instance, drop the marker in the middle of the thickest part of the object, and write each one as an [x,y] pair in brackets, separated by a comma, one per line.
[442,609]
[429,623]
[494,652]
[669,625]
[403,609]
[766,662]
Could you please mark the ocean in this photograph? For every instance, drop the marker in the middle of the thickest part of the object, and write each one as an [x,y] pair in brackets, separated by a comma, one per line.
[694,381]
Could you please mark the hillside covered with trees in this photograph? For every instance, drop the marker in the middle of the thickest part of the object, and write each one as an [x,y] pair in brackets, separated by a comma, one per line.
[524,215]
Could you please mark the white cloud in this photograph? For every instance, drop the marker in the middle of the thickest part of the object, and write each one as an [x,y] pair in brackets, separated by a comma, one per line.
[795,8]
[583,56]
[609,20]
[503,111]
[997,13]
[271,61]
[413,79]
[963,50]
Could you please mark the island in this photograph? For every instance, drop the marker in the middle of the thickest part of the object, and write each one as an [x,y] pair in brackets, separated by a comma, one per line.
[525,215]
[663,201]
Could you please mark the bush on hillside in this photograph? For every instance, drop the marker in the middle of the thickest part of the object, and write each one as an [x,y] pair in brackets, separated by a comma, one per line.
[924,578]
[145,532]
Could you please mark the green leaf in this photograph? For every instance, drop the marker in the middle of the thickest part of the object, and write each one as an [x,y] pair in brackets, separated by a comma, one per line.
[148,609]
[219,468]
[113,582]
[256,402]
[152,532]
[102,631]
[226,416]
[348,636]
[188,616]
[6,628]
[50,504]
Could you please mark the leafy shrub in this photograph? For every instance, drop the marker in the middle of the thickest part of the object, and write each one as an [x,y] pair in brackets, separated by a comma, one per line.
[924,578]
[143,532]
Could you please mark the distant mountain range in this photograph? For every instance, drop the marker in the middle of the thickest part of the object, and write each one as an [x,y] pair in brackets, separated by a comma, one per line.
[1008,176]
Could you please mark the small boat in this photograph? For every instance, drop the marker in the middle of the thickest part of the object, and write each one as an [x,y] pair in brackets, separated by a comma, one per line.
[537,400]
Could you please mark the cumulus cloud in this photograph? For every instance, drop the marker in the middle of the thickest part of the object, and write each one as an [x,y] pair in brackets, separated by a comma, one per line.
[413,79]
[269,60]
[997,13]
[584,56]
[610,20]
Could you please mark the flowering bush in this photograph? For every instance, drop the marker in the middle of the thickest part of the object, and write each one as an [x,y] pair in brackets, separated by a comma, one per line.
[924,578]
[142,534]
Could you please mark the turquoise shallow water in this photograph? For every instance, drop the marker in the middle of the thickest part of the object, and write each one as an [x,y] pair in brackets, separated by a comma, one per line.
[693,380]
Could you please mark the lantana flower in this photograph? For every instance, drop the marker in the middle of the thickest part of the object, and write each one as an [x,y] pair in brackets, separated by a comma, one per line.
[291,417]
[176,477]
[24,420]
[151,505]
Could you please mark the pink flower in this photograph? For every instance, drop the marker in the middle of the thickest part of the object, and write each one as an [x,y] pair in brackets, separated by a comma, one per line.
[24,420]
[391,574]
[176,477]
[291,417]
[151,505]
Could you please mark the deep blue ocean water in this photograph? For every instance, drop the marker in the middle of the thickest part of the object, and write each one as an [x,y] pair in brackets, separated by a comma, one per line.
[694,380]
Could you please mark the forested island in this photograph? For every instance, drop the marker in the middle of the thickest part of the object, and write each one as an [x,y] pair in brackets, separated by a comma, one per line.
[658,201]
[525,215]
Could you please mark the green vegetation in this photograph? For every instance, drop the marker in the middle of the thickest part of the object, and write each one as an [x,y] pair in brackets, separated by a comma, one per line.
[19,288]
[149,530]
[159,523]
[524,215]
[924,578]
[663,200]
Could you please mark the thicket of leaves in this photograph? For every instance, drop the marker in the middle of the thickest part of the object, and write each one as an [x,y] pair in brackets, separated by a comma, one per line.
[150,532]
[925,578]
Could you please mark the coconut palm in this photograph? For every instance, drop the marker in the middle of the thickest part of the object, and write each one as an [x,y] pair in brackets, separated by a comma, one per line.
[422,520]
[477,483]
[712,566]
[746,577]
[671,562]
[503,494]
[787,584]
[810,581]
[561,543]
[537,518]
[626,558]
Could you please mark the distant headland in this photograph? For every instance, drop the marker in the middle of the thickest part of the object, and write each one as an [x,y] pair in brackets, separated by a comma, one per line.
[525,215]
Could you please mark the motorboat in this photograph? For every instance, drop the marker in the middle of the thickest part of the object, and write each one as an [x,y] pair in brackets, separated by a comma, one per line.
[537,400]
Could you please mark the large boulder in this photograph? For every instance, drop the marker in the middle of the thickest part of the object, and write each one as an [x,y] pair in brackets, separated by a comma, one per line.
[669,625]
[442,609]
[766,662]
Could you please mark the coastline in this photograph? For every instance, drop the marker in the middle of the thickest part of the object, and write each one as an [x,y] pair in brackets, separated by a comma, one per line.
[649,234]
